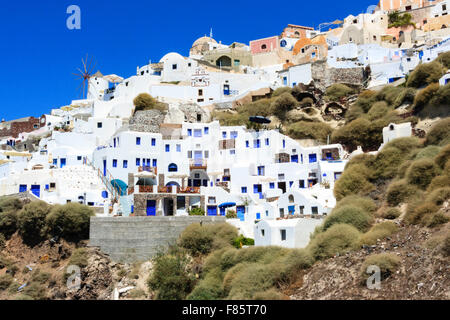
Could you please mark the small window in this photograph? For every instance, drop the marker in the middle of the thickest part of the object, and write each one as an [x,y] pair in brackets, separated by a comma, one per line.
[189,154]
[174,67]
[200,92]
[153,142]
[283,235]
[189,64]
[178,147]
[267,142]
[125,164]
[114,163]
[263,233]
[224,135]
[79,158]
[138,141]
[167,147]
[99,125]
[264,47]
[244,189]
[138,162]
[315,210]
[247,144]
[272,185]
[155,163]
[232,152]
[206,130]
[189,132]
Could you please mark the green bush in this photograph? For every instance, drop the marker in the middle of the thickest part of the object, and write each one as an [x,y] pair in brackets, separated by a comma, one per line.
[439,134]
[404,144]
[337,91]
[79,258]
[429,152]
[443,156]
[144,101]
[444,59]
[354,181]
[31,221]
[378,110]
[8,204]
[391,214]
[439,196]
[387,262]
[387,163]
[231,214]
[421,173]
[338,239]
[399,192]
[197,212]
[424,96]
[282,105]
[364,203]
[351,215]
[353,113]
[425,74]
[353,134]
[243,241]
[436,220]
[406,96]
[379,231]
[5,281]
[70,221]
[170,278]
[202,239]
[439,182]
[278,92]
[36,291]
[268,295]
[309,130]
[420,213]
[210,288]
[293,262]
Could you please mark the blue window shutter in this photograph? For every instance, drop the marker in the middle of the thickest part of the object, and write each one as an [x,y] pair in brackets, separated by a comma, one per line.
[138,162]
[155,163]
[189,132]
[167,148]
[138,141]
[153,142]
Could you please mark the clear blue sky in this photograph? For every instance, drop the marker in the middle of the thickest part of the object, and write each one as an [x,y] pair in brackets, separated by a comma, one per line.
[38,53]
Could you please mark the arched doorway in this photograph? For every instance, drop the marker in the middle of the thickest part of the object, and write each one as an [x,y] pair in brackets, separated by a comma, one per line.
[223,61]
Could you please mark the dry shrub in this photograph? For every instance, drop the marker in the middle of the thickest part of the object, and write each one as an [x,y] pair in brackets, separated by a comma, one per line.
[351,215]
[379,231]
[387,262]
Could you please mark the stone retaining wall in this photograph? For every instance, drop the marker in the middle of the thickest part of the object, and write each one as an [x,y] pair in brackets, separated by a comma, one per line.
[133,239]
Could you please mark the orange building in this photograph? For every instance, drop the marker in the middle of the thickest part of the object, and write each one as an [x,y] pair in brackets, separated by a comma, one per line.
[294,31]
[404,5]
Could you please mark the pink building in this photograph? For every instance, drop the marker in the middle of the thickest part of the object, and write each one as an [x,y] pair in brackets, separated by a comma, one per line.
[264,45]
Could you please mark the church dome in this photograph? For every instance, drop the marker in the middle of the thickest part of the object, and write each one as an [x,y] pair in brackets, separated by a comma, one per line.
[201,45]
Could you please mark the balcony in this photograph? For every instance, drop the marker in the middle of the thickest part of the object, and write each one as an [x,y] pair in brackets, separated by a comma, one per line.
[165,189]
[198,164]
[189,190]
[148,169]
[145,189]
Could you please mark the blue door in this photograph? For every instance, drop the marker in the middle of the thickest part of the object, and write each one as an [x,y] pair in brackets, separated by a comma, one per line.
[222,212]
[212,211]
[36,190]
[63,162]
[226,90]
[22,188]
[241,213]
[198,157]
[258,216]
[291,210]
[104,168]
[151,208]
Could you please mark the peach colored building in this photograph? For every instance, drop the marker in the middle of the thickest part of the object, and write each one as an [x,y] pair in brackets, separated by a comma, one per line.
[294,31]
[264,45]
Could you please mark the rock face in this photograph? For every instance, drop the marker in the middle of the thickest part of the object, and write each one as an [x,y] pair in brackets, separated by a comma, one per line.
[96,279]
[146,121]
[194,113]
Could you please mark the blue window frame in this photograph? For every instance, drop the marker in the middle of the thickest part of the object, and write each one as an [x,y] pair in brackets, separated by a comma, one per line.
[155,163]
[312,158]
[233,135]
[167,147]
[190,132]
[114,163]
[244,189]
[173,167]
[257,143]
[272,185]
[284,144]
[206,130]
[138,162]
[261,171]
[125,164]
[138,141]
[153,142]
[224,135]
[267,142]
[294,158]
[247,144]
[55,161]
[178,147]
[285,81]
